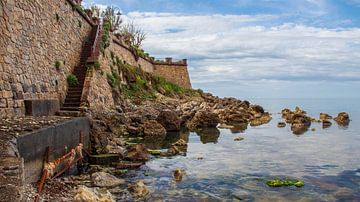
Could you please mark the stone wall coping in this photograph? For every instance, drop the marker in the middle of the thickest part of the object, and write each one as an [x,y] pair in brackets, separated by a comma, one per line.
[166,61]
[87,19]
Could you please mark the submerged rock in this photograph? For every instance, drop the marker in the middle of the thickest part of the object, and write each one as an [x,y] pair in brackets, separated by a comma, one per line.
[138,190]
[238,138]
[137,152]
[208,135]
[102,179]
[169,120]
[178,175]
[173,150]
[342,119]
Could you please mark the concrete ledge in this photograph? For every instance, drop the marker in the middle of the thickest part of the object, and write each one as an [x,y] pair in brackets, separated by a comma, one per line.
[41,107]
[61,138]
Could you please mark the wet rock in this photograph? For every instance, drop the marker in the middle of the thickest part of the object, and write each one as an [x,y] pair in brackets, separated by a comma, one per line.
[225,126]
[137,152]
[300,123]
[180,143]
[85,194]
[203,119]
[102,179]
[239,128]
[178,175]
[325,116]
[153,128]
[138,190]
[342,119]
[169,120]
[281,124]
[326,123]
[173,150]
[263,119]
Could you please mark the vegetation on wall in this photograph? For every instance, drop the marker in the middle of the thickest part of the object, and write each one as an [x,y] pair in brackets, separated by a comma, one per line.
[105,35]
[72,80]
[57,64]
[140,84]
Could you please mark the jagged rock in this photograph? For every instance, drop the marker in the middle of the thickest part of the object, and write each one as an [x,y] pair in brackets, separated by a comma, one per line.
[173,150]
[300,123]
[208,135]
[102,179]
[85,194]
[203,119]
[342,119]
[169,120]
[138,189]
[265,118]
[324,116]
[281,124]
[153,128]
[180,143]
[137,152]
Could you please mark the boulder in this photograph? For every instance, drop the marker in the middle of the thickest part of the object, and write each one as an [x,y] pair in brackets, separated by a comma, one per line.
[85,194]
[203,119]
[300,123]
[342,119]
[153,128]
[324,116]
[138,190]
[169,120]
[102,179]
[173,150]
[137,152]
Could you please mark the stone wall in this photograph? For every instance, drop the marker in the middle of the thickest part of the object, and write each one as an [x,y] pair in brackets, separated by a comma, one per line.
[35,34]
[176,72]
[125,54]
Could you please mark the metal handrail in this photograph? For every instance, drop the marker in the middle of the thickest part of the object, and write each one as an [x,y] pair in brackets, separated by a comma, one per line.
[99,29]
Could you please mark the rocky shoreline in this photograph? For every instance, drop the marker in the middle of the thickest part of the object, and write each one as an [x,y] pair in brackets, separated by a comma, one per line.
[114,136]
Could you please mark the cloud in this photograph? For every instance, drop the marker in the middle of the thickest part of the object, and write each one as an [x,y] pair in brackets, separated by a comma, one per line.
[235,48]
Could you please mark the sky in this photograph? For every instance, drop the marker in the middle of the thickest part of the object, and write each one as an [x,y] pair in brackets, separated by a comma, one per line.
[256,48]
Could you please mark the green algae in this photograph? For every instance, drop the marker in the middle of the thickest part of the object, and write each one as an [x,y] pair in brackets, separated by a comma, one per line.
[154,152]
[284,183]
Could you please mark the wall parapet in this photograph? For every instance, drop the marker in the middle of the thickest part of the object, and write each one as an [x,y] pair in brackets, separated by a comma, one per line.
[75,5]
[171,61]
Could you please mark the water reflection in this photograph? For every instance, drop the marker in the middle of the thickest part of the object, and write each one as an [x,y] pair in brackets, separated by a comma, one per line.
[208,135]
[167,141]
[240,128]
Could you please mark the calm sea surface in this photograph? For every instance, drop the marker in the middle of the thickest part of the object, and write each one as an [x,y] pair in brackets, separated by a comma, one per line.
[221,169]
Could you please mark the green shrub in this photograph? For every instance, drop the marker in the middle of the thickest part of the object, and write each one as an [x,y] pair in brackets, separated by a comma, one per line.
[97,65]
[57,64]
[113,79]
[105,35]
[72,80]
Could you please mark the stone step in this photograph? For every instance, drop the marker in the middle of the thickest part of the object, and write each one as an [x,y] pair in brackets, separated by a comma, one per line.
[71,104]
[68,113]
[69,109]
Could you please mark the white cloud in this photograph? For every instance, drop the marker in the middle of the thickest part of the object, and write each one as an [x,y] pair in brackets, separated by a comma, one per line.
[236,47]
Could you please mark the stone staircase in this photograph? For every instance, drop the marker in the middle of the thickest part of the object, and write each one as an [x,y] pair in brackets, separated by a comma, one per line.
[71,106]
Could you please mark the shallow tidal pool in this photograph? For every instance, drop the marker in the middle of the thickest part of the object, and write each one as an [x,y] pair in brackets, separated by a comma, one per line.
[220,169]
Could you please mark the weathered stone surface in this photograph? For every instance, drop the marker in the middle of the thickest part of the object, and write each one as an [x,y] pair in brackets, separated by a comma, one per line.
[203,119]
[31,42]
[85,194]
[153,128]
[137,152]
[138,189]
[102,179]
[169,119]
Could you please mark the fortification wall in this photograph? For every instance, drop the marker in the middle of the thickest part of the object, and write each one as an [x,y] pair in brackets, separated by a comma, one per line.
[176,72]
[35,34]
[125,54]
